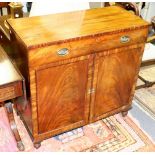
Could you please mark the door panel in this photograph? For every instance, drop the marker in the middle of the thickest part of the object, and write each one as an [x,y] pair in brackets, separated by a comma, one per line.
[116,75]
[61,95]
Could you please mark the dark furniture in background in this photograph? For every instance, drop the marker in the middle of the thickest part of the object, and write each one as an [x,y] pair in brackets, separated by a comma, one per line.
[16,10]
[28,5]
[11,88]
[4,5]
[130,6]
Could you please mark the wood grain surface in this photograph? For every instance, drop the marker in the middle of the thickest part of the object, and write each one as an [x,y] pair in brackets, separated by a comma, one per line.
[46,30]
[11,87]
[40,56]
[95,79]
[61,90]
[114,80]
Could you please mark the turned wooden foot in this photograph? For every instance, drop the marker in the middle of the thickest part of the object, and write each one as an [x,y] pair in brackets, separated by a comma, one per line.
[37,145]
[15,108]
[20,146]
[124,113]
[13,126]
[17,112]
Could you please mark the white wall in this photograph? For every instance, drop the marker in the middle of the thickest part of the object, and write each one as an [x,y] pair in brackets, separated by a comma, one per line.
[24,6]
[149,11]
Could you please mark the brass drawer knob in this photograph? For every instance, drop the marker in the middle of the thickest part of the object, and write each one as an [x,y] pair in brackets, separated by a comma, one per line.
[63,52]
[124,39]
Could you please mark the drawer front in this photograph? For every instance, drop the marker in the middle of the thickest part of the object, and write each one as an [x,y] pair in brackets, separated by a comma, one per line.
[11,91]
[81,47]
[111,41]
[121,40]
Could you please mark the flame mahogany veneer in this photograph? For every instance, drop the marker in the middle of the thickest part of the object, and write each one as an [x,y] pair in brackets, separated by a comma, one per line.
[79,67]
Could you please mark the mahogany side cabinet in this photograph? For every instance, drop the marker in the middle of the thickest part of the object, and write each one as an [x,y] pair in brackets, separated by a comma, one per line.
[79,67]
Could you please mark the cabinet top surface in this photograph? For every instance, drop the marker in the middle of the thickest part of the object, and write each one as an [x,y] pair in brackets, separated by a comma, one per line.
[50,29]
[8,73]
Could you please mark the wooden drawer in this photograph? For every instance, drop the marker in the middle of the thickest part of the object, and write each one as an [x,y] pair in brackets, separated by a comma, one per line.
[10,91]
[110,40]
[121,39]
[81,47]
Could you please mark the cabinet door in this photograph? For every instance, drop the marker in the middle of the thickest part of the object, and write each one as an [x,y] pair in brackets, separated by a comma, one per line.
[115,75]
[62,101]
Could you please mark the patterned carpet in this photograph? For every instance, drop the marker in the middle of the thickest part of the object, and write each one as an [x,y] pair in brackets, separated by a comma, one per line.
[111,134]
